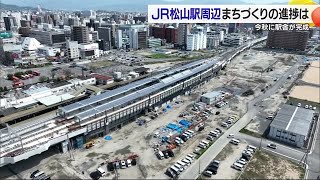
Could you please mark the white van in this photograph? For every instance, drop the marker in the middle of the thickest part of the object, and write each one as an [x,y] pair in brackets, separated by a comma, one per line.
[207,173]
[237,166]
[189,135]
[235,141]
[189,159]
[182,164]
[214,134]
[101,171]
[186,135]
[242,162]
[179,167]
[252,147]
[190,131]
[175,170]
[191,156]
[202,145]
[205,142]
[186,161]
[161,155]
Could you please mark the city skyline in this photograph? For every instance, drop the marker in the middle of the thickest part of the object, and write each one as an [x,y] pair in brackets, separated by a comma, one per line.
[124,5]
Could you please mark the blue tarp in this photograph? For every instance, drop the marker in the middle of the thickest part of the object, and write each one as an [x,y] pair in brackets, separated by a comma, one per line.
[174,127]
[108,138]
[185,123]
[169,106]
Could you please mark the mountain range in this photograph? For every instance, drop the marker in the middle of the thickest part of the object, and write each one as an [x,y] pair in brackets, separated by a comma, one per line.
[117,5]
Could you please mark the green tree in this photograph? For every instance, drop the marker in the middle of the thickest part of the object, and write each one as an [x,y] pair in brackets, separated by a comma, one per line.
[5,89]
[9,76]
[18,74]
[58,54]
[29,72]
[43,78]
[1,89]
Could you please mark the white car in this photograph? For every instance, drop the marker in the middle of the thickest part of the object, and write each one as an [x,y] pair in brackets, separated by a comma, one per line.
[231,136]
[299,104]
[306,106]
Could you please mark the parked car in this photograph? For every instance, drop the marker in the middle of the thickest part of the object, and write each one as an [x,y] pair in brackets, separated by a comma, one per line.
[272,146]
[231,136]
[299,104]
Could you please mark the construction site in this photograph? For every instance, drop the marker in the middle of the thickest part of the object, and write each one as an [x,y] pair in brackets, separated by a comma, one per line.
[246,77]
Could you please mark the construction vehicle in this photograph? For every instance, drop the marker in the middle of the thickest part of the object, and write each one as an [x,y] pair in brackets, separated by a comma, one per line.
[89,145]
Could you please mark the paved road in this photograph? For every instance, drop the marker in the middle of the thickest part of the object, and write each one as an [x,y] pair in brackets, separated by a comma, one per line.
[193,171]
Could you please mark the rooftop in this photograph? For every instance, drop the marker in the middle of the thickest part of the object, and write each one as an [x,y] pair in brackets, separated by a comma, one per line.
[293,119]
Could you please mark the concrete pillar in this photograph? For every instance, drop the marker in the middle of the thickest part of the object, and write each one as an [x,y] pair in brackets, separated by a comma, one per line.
[64,146]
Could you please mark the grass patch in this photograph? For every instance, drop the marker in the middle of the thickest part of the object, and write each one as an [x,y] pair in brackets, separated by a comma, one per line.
[159,56]
[224,153]
[246,131]
[100,64]
[204,150]
[265,165]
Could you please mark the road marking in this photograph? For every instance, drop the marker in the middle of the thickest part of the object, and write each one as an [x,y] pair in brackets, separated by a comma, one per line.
[294,113]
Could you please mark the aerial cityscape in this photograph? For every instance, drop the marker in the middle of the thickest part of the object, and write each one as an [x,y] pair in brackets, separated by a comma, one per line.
[95,91]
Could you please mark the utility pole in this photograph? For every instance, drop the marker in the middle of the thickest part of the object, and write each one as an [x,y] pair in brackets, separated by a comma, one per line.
[260,143]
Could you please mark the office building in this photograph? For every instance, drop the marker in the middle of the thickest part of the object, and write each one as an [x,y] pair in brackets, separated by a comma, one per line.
[93,36]
[142,39]
[171,35]
[114,32]
[292,125]
[25,23]
[8,22]
[233,28]
[197,40]
[118,42]
[56,38]
[233,39]
[72,50]
[105,35]
[183,31]
[80,34]
[291,40]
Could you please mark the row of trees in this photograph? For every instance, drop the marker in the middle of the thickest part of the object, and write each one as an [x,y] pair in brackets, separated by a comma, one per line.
[4,89]
[19,74]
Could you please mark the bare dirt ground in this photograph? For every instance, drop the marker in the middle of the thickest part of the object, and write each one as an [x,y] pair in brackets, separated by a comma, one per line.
[267,166]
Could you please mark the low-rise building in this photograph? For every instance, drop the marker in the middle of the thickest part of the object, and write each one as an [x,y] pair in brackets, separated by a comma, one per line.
[292,125]
[213,97]
[72,50]
[49,51]
[233,39]
[89,50]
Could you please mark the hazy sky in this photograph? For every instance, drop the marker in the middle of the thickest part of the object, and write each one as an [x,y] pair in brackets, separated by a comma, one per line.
[123,4]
